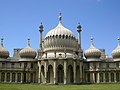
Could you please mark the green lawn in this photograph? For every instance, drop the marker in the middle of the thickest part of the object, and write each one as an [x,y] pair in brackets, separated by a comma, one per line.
[59,87]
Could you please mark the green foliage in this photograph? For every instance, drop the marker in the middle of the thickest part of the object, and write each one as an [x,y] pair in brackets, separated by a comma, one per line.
[59,87]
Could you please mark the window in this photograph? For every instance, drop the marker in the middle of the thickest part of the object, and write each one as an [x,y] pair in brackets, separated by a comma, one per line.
[3,65]
[32,65]
[25,65]
[12,65]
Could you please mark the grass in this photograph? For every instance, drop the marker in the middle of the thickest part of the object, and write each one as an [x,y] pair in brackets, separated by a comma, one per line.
[59,87]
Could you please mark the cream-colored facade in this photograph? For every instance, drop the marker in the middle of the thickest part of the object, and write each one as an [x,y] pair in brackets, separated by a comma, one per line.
[60,59]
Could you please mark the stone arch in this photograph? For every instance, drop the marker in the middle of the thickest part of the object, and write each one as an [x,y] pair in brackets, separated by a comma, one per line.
[70,74]
[60,74]
[77,74]
[50,74]
[42,74]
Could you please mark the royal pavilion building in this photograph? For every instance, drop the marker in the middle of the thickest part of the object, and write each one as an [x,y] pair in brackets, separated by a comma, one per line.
[59,60]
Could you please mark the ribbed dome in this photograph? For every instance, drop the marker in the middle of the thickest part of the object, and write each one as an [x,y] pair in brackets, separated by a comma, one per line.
[3,51]
[92,52]
[59,30]
[59,38]
[28,52]
[116,52]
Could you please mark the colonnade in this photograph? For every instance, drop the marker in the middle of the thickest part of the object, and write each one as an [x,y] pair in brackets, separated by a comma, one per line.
[103,77]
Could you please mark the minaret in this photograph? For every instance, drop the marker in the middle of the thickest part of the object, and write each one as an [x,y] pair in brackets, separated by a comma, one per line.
[41,30]
[28,41]
[60,18]
[79,35]
[2,41]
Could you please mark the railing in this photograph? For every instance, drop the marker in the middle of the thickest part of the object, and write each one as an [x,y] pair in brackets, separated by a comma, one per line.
[17,69]
[102,69]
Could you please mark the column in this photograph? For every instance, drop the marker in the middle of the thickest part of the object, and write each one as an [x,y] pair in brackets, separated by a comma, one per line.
[0,76]
[81,71]
[39,74]
[93,77]
[104,77]
[65,72]
[74,71]
[5,77]
[45,71]
[55,72]
[86,77]
[119,77]
[21,77]
[115,77]
[16,76]
[109,77]
[10,76]
[98,77]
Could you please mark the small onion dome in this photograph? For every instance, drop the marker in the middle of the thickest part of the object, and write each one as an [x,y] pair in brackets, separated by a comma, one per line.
[28,52]
[3,51]
[92,52]
[116,52]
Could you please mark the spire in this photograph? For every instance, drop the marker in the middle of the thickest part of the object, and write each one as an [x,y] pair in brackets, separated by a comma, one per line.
[41,27]
[60,17]
[92,40]
[79,27]
[2,41]
[28,41]
[118,41]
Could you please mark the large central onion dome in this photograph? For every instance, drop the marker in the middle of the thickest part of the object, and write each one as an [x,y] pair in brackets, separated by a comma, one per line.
[3,51]
[60,38]
[92,53]
[28,52]
[116,52]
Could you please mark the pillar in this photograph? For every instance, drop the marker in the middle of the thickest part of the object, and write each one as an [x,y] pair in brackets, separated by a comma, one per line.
[93,75]
[39,74]
[16,76]
[115,77]
[0,76]
[21,77]
[74,71]
[98,77]
[55,72]
[10,76]
[45,71]
[104,77]
[65,72]
[5,77]
[109,77]
[81,72]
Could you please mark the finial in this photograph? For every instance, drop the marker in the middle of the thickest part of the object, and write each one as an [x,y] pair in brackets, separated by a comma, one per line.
[2,41]
[41,27]
[60,17]
[79,27]
[92,40]
[118,41]
[28,41]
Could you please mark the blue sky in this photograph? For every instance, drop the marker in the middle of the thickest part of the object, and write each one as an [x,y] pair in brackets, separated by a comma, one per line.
[20,19]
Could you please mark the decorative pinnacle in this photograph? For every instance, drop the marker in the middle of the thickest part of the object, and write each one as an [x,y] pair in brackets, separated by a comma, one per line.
[92,40]
[118,41]
[79,27]
[41,27]
[2,41]
[60,17]
[28,41]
